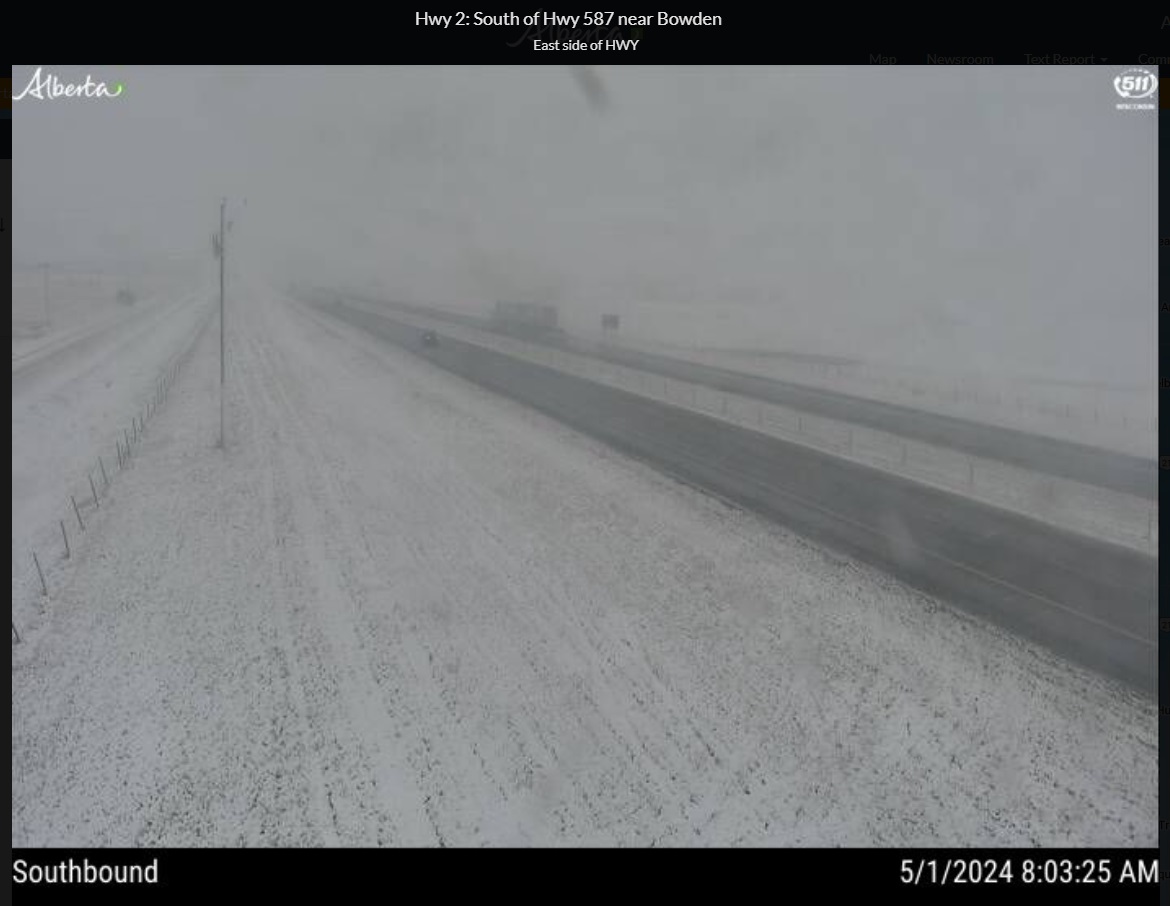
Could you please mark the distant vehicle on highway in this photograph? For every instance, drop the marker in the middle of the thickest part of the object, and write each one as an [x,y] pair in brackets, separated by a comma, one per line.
[429,338]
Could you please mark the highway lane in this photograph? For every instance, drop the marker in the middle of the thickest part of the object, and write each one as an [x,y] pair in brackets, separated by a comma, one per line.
[1067,459]
[29,366]
[1088,600]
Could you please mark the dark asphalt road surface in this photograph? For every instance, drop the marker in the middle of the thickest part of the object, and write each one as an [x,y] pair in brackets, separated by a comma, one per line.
[1066,459]
[1088,600]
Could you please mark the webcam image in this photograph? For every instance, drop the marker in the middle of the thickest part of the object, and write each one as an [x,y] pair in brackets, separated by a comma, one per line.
[584,456]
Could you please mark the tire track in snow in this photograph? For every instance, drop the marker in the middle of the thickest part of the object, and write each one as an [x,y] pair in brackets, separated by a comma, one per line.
[305,499]
[600,705]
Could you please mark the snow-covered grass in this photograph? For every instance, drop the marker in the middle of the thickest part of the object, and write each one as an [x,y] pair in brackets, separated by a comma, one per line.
[400,609]
[1101,513]
[71,402]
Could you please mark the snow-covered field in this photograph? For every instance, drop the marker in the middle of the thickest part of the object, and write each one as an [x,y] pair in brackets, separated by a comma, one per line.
[399,609]
[72,397]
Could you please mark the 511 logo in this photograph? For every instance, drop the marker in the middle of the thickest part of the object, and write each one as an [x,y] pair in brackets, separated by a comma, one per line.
[1134,85]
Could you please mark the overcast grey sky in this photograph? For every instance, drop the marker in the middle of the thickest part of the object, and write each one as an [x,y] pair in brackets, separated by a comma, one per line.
[1001,218]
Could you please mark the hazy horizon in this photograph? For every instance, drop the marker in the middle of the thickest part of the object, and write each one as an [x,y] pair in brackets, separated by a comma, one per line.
[971,218]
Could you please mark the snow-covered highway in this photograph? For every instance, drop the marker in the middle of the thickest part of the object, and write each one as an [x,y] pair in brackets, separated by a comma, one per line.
[399,609]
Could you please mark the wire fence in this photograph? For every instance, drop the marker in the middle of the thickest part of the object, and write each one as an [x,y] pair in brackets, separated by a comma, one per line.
[85,497]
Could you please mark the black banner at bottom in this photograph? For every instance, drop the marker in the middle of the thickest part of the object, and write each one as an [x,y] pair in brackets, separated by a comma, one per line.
[1108,875]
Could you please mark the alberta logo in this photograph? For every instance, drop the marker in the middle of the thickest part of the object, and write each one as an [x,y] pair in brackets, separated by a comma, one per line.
[48,87]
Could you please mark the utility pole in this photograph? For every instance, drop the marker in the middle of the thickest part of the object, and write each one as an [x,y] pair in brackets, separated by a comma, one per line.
[45,275]
[222,361]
